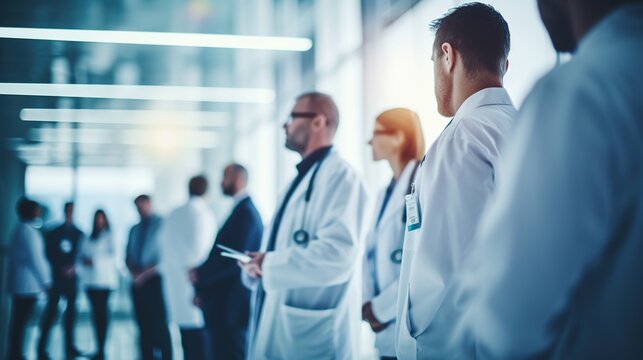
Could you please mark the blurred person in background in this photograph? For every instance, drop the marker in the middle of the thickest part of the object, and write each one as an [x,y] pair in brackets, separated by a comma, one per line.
[220,294]
[398,139]
[62,245]
[225,301]
[187,236]
[99,276]
[142,258]
[29,274]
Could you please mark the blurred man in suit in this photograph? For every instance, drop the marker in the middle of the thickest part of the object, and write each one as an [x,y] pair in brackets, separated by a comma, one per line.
[61,246]
[224,300]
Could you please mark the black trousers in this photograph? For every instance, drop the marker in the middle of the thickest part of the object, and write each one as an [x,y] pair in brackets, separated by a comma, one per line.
[227,343]
[149,310]
[68,290]
[21,309]
[227,332]
[195,344]
[98,298]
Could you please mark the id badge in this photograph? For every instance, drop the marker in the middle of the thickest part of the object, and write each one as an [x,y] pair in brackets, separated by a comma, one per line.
[412,211]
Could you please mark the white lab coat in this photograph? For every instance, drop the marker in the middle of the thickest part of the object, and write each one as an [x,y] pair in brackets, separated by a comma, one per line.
[29,272]
[102,274]
[381,270]
[557,271]
[454,184]
[312,305]
[186,238]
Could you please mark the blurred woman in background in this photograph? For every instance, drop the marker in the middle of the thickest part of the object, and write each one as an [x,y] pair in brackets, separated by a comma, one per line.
[398,139]
[99,276]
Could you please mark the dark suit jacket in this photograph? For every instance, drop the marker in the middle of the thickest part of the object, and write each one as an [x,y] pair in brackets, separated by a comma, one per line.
[61,248]
[226,301]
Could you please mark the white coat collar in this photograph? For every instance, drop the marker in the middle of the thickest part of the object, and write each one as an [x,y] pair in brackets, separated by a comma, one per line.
[484,97]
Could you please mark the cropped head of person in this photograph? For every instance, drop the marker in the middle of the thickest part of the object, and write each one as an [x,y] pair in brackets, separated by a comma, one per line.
[235,179]
[100,224]
[198,186]
[143,204]
[567,21]
[312,123]
[69,212]
[470,52]
[397,137]
[27,209]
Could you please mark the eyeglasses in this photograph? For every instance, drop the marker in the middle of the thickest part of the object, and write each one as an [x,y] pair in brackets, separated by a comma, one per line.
[383,132]
[309,115]
[295,115]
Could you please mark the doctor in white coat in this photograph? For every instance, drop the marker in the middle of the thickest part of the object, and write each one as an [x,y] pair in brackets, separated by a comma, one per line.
[557,271]
[187,235]
[308,274]
[457,178]
[398,139]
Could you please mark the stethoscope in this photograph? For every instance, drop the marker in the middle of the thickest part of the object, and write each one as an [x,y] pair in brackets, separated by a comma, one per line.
[301,236]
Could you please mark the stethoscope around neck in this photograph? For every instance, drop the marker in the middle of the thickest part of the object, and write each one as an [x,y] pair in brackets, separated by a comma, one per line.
[301,236]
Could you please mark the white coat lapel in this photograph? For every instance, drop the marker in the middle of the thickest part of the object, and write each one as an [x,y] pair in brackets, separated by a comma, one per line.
[397,197]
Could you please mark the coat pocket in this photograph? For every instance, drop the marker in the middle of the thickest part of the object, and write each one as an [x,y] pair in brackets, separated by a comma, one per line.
[303,334]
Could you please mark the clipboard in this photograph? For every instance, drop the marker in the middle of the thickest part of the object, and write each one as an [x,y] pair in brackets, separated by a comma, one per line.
[241,257]
[233,254]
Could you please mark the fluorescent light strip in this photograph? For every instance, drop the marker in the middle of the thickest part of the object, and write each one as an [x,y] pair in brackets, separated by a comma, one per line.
[142,92]
[160,38]
[128,117]
[180,139]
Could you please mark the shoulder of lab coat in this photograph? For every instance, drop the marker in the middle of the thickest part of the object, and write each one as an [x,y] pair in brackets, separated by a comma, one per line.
[332,253]
[194,225]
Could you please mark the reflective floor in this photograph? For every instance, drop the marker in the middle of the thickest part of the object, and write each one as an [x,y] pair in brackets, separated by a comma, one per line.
[122,337]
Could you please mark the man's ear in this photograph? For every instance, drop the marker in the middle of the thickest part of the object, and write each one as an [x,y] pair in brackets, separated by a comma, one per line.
[448,57]
[320,121]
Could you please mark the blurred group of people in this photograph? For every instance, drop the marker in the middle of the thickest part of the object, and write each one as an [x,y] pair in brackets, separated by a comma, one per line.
[201,294]
[55,262]
[516,235]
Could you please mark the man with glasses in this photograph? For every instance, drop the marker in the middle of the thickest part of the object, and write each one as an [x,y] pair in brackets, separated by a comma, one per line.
[307,279]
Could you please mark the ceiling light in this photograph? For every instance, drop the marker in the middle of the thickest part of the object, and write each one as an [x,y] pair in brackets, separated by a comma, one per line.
[160,38]
[142,92]
[128,117]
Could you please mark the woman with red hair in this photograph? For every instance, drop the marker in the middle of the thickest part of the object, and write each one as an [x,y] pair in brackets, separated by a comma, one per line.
[398,139]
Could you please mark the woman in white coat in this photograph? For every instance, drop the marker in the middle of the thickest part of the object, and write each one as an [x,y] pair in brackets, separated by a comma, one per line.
[398,139]
[29,273]
[99,276]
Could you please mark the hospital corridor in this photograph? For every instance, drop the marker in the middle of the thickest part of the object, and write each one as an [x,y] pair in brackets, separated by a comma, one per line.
[321,179]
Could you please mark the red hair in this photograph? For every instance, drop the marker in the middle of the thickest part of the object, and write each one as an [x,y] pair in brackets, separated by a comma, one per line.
[408,124]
